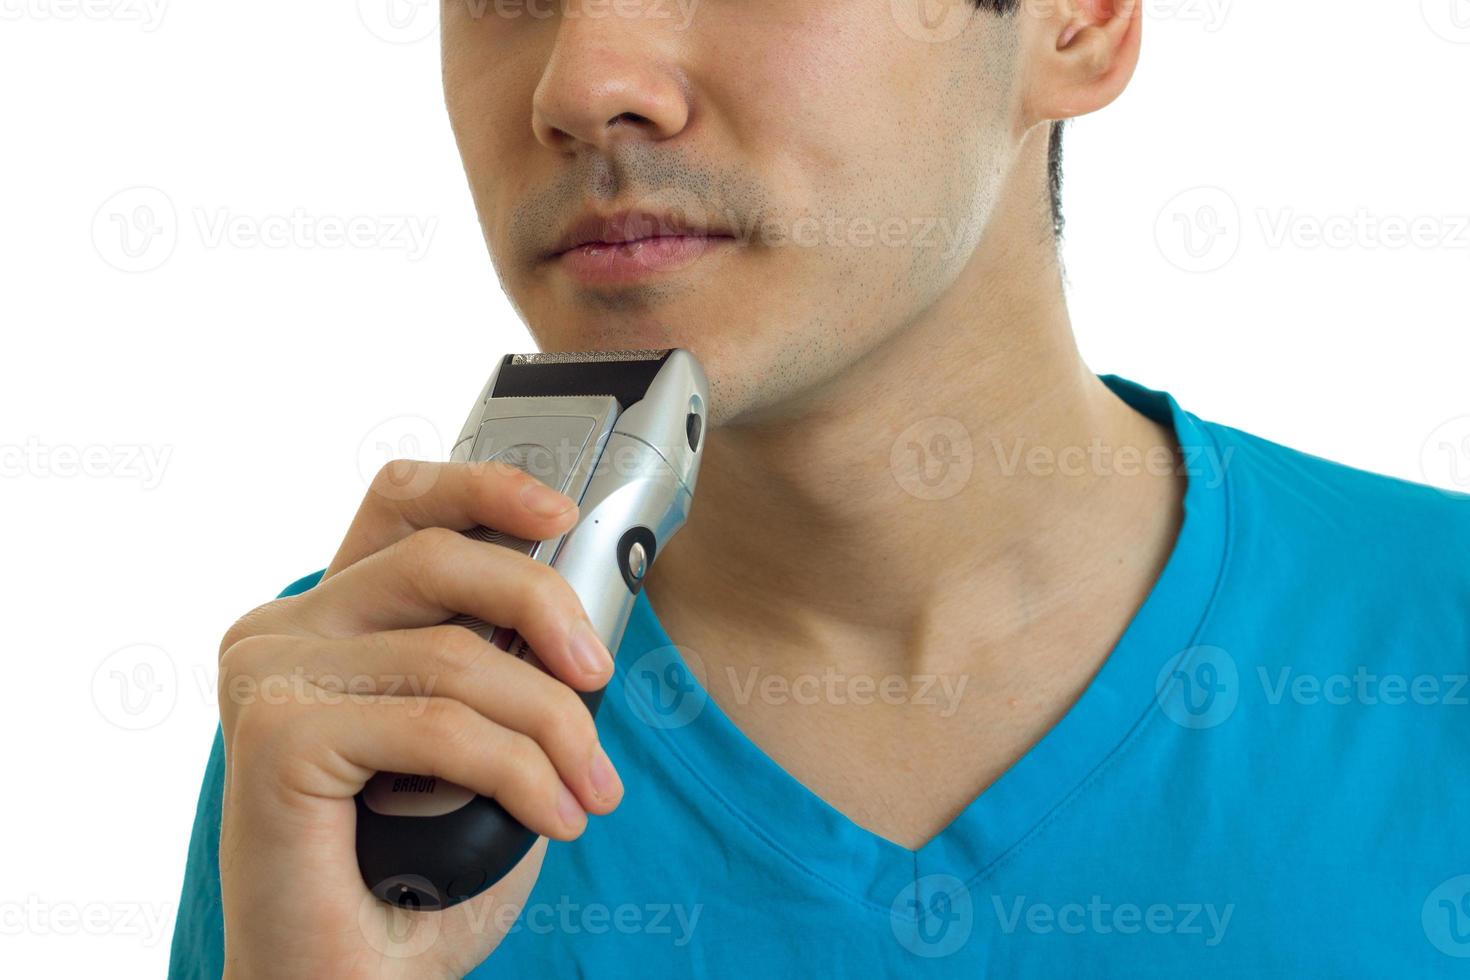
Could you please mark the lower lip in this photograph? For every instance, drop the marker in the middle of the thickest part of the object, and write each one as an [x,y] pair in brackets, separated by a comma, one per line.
[618,263]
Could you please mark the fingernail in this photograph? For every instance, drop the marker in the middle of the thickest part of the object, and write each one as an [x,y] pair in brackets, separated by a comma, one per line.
[568,808]
[605,782]
[543,500]
[588,650]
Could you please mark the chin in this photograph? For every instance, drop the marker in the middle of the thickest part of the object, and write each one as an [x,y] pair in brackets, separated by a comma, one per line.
[741,381]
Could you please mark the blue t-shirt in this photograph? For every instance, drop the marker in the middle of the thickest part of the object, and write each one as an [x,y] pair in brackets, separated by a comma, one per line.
[1268,776]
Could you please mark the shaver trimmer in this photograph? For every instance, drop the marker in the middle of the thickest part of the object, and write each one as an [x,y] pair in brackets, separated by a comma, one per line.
[620,432]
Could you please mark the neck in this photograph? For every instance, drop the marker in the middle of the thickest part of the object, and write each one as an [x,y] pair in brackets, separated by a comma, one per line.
[906,504]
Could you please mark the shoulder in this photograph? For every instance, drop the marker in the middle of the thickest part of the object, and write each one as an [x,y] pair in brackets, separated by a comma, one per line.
[1303,522]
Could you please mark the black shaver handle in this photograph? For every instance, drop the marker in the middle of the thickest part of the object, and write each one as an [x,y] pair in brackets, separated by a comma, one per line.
[454,856]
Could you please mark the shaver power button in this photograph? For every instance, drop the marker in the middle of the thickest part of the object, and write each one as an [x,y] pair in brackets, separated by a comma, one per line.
[635,554]
[637,560]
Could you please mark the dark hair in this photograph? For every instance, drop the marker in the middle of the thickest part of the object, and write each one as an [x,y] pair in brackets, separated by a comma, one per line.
[1054,148]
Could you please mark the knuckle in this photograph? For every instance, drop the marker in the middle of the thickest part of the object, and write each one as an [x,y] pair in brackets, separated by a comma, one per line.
[565,720]
[250,624]
[427,547]
[547,590]
[446,722]
[454,649]
[522,761]
[389,479]
[240,658]
[280,616]
[259,685]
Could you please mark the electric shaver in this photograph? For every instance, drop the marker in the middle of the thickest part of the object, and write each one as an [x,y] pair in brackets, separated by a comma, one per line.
[620,432]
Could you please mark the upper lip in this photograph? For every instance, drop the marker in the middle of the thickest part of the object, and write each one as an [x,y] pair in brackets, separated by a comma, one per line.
[629,226]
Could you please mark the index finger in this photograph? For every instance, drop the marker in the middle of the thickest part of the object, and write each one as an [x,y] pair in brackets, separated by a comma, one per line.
[457,496]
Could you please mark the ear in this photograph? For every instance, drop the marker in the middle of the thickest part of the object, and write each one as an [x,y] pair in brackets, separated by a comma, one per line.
[1080,55]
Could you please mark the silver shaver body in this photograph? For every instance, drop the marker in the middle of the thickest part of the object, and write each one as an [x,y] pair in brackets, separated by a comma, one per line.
[621,433]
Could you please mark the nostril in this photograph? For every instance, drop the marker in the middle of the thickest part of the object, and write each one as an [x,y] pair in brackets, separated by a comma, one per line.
[632,117]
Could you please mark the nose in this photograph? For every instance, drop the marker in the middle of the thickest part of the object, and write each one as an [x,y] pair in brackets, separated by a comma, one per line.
[609,78]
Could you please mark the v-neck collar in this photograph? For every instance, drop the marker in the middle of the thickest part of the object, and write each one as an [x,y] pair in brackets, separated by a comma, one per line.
[867,868]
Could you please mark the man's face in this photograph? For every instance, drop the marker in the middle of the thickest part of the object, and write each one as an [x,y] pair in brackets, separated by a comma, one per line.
[853,153]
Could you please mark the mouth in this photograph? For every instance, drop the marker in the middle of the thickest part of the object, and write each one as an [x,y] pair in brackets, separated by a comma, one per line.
[630,246]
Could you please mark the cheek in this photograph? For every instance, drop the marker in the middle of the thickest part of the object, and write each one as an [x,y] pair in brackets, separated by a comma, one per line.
[489,83]
[818,87]
[845,116]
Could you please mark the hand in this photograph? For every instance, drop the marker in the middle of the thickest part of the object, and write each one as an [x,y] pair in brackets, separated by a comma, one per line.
[360,674]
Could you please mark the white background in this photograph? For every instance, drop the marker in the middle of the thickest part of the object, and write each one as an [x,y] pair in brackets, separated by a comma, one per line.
[259,382]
